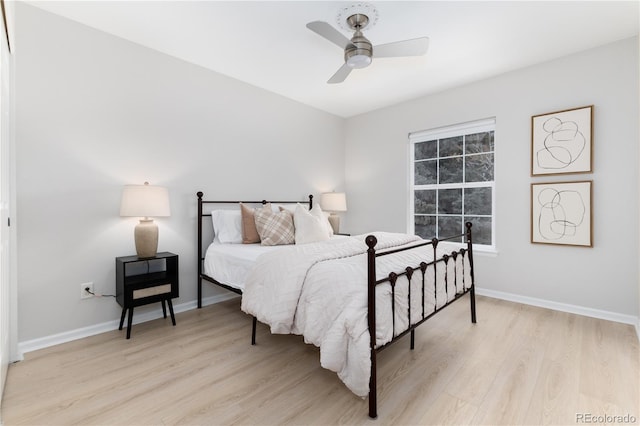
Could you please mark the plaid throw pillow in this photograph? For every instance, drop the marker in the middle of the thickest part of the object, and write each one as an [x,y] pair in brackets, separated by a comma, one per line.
[275,228]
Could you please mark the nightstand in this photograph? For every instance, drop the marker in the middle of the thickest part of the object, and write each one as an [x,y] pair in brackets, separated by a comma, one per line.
[140,281]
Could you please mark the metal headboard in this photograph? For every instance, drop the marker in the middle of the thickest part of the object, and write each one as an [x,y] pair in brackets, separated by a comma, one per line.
[202,214]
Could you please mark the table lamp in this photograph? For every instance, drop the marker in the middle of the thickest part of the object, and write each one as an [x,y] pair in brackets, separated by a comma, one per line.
[145,201]
[334,202]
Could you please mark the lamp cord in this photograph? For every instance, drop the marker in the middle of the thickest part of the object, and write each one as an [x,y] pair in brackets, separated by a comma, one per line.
[99,295]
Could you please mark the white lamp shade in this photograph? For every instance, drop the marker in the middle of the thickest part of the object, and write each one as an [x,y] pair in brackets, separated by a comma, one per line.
[333,202]
[145,201]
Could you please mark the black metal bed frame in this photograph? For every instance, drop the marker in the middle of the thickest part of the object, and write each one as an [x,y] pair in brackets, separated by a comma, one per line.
[372,283]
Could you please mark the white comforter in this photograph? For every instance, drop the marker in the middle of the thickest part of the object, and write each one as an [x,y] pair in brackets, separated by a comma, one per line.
[319,290]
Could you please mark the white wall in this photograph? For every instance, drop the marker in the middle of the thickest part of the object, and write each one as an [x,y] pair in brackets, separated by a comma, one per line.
[604,277]
[95,112]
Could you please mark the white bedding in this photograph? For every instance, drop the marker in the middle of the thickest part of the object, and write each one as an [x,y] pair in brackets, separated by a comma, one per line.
[319,290]
[230,263]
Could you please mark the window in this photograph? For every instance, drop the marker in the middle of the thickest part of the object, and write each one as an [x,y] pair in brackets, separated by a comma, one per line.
[452,181]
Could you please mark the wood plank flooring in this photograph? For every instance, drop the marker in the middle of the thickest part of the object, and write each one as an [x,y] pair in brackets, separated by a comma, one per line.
[518,365]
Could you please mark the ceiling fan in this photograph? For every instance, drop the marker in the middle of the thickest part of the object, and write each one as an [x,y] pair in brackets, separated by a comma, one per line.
[359,52]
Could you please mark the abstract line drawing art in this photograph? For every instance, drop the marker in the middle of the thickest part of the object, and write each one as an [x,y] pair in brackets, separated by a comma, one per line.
[561,142]
[561,213]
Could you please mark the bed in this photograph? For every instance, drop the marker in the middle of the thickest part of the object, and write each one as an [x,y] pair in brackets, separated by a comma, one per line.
[350,296]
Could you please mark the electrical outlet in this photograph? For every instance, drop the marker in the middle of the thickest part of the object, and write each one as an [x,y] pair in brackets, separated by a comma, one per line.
[83,293]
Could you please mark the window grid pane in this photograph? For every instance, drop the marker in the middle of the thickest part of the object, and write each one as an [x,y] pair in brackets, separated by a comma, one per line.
[459,184]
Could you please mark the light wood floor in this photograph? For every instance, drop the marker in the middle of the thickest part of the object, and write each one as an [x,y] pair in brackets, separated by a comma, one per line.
[517,365]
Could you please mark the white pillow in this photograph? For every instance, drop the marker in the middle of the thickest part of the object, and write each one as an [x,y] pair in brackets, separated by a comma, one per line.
[227,226]
[309,225]
[324,217]
[315,211]
[289,207]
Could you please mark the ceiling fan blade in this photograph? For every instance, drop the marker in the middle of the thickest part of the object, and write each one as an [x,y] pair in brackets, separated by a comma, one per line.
[413,47]
[340,75]
[327,31]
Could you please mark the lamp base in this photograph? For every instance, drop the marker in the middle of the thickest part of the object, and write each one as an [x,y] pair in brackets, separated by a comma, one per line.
[146,237]
[334,221]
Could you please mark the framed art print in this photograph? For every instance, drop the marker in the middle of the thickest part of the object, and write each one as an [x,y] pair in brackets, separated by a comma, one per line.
[561,142]
[561,213]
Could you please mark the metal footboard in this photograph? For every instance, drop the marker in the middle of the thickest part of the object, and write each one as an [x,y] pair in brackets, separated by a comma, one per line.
[409,271]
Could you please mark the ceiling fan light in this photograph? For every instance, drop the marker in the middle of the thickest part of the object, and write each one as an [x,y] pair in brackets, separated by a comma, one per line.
[359,61]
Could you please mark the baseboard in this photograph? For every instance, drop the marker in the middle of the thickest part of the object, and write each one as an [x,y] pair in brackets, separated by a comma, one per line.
[563,307]
[68,336]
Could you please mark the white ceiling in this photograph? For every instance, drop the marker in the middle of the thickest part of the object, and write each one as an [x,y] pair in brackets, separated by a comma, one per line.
[266,43]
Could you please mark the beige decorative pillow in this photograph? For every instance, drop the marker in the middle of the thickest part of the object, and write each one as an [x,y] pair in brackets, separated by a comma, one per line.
[249,231]
[275,228]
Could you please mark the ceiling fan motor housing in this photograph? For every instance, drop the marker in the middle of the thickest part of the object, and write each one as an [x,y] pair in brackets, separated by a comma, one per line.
[358,53]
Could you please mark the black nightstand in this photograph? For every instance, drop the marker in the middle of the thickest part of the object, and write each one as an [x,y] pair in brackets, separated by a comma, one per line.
[140,281]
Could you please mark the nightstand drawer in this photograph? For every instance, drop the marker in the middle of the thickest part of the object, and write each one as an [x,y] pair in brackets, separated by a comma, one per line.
[151,291]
